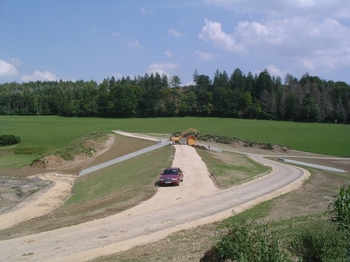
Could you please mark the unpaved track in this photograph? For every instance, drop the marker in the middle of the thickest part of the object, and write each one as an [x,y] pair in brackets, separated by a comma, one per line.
[196,201]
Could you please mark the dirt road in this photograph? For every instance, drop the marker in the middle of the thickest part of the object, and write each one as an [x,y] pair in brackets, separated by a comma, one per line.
[196,201]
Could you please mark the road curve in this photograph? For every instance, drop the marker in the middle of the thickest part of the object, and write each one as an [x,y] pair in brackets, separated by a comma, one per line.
[122,231]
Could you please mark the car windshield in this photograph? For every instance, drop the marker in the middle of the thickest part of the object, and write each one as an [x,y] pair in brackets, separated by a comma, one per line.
[170,172]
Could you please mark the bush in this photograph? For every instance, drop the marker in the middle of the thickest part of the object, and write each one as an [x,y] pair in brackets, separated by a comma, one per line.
[339,209]
[7,140]
[217,139]
[225,140]
[248,143]
[268,146]
[321,243]
[249,242]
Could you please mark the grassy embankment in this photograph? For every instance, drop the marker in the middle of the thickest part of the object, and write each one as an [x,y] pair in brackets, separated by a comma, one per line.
[230,169]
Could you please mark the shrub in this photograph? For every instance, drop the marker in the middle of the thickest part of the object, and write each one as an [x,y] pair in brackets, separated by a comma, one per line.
[248,143]
[324,242]
[7,140]
[225,140]
[249,242]
[339,209]
[268,146]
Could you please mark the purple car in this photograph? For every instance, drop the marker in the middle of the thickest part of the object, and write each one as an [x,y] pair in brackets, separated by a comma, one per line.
[171,176]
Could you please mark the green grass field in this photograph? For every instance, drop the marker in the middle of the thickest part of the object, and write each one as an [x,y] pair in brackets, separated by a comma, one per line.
[46,133]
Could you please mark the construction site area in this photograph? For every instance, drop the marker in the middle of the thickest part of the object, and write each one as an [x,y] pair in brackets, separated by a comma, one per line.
[41,230]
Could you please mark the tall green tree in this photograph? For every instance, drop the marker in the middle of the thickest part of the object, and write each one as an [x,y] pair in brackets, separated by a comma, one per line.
[175,81]
[237,80]
[291,106]
[264,82]
[203,82]
[310,111]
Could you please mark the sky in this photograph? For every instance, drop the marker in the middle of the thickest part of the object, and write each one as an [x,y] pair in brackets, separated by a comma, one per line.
[97,39]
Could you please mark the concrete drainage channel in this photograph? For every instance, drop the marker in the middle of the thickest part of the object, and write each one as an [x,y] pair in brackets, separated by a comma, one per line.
[312,165]
[160,144]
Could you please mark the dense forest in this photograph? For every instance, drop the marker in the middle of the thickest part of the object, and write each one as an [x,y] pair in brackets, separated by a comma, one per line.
[262,96]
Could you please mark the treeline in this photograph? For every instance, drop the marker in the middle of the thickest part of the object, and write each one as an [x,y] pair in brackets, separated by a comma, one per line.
[262,96]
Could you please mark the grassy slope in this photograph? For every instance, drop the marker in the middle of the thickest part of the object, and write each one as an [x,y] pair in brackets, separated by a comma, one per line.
[50,132]
[230,169]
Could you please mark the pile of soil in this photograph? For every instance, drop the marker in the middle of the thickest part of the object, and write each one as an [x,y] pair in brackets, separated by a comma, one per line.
[49,162]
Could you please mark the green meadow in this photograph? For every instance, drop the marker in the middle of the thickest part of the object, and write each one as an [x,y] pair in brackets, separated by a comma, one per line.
[42,134]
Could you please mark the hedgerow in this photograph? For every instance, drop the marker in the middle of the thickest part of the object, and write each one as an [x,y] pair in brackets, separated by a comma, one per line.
[7,140]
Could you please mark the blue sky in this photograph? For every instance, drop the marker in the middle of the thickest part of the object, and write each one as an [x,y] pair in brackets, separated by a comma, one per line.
[93,40]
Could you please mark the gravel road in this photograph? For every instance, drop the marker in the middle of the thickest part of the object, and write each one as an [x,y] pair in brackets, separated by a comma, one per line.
[196,201]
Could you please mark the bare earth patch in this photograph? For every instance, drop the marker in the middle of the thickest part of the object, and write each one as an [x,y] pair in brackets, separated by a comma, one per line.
[42,202]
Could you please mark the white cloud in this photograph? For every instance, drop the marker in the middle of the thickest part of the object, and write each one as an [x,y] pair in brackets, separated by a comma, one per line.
[116,34]
[212,32]
[259,34]
[307,64]
[305,3]
[305,42]
[278,8]
[118,76]
[167,66]
[174,32]
[203,55]
[7,69]
[16,61]
[162,68]
[134,44]
[146,11]
[273,70]
[39,76]
[168,53]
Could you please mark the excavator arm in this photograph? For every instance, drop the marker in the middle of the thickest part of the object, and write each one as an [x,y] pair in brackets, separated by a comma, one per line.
[176,139]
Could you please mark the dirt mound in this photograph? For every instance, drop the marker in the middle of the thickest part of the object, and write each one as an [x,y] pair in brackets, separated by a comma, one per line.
[49,162]
[92,148]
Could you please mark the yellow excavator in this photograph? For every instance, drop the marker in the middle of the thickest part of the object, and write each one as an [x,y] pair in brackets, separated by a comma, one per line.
[176,137]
